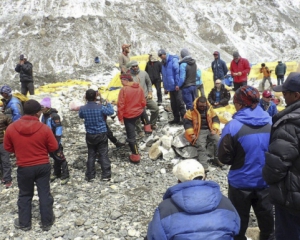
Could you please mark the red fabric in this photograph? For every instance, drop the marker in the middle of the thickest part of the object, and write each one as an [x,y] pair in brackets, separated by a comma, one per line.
[30,140]
[131,101]
[242,66]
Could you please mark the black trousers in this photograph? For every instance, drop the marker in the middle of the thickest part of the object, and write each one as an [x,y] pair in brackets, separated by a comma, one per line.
[97,143]
[60,165]
[5,164]
[27,176]
[177,105]
[242,200]
[157,85]
[110,135]
[27,87]
[236,86]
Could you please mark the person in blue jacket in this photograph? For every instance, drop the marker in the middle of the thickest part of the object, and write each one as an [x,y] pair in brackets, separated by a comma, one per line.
[170,77]
[12,105]
[267,104]
[243,144]
[218,67]
[193,209]
[199,84]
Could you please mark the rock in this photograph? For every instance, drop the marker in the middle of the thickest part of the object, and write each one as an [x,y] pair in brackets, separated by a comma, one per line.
[253,233]
[166,141]
[131,232]
[79,222]
[154,151]
[151,139]
[115,215]
[163,171]
[180,141]
[168,154]
[187,152]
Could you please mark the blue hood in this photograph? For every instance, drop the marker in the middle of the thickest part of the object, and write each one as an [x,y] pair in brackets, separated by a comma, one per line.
[253,117]
[189,197]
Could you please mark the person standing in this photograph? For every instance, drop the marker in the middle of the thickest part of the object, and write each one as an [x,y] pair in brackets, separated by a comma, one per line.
[31,141]
[219,96]
[199,85]
[242,145]
[170,77]
[153,68]
[267,104]
[4,155]
[267,76]
[94,116]
[240,68]
[280,71]
[124,57]
[187,78]
[282,168]
[218,67]
[24,67]
[51,118]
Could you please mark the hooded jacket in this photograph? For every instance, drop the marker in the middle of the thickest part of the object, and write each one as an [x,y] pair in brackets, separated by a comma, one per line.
[224,96]
[170,72]
[30,140]
[280,69]
[153,68]
[52,120]
[242,66]
[192,122]
[194,210]
[243,144]
[25,71]
[271,108]
[13,107]
[219,68]
[4,122]
[142,78]
[282,168]
[131,101]
[187,72]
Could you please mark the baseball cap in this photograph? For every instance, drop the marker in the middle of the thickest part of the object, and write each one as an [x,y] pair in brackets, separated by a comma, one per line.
[188,169]
[161,52]
[292,83]
[216,53]
[267,94]
[22,57]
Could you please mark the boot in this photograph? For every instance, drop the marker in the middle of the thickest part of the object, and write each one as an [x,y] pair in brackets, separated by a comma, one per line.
[119,144]
[135,158]
[217,162]
[147,128]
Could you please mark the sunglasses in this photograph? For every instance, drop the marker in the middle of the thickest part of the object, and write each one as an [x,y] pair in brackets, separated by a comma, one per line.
[160,55]
[134,66]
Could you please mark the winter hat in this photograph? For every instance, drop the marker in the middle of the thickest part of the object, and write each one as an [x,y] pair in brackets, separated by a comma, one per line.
[188,169]
[126,76]
[125,46]
[161,52]
[22,57]
[32,107]
[6,89]
[247,96]
[267,94]
[134,63]
[46,102]
[235,54]
[184,53]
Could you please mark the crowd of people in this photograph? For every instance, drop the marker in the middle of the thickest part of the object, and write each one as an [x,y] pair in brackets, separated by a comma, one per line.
[260,145]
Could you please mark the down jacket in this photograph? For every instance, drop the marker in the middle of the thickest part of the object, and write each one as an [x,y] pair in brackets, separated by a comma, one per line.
[194,210]
[219,68]
[242,66]
[170,72]
[25,71]
[282,169]
[224,96]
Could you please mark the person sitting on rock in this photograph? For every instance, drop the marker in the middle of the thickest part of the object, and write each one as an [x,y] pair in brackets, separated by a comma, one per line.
[267,104]
[219,96]
[193,208]
[202,127]
[51,118]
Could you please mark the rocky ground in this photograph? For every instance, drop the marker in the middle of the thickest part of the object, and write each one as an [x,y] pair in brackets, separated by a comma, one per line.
[120,209]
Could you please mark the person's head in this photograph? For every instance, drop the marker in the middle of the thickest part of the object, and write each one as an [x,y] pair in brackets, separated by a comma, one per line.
[153,57]
[134,66]
[189,169]
[90,95]
[201,103]
[23,58]
[218,84]
[263,65]
[126,78]
[5,91]
[216,54]
[162,54]
[236,56]
[279,61]
[290,88]
[46,104]
[246,96]
[184,53]
[33,108]
[126,48]
[267,96]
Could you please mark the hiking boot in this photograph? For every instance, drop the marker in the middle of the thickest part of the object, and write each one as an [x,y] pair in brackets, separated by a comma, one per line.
[48,227]
[119,144]
[105,179]
[135,158]
[147,128]
[2,181]
[154,126]
[64,181]
[18,226]
[8,184]
[53,178]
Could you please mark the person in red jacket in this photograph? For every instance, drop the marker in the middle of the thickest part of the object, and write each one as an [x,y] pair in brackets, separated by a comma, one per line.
[239,68]
[31,141]
[131,106]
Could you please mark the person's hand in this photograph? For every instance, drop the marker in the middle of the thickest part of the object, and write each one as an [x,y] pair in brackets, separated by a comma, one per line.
[122,122]
[213,132]
[149,95]
[193,136]
[177,88]
[166,92]
[239,74]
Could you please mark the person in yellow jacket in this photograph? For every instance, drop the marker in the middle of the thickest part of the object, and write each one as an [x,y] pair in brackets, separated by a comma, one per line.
[202,129]
[267,76]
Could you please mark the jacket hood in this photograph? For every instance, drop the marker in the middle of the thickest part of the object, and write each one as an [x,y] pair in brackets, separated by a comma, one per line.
[195,196]
[290,113]
[27,125]
[253,117]
[170,57]
[189,60]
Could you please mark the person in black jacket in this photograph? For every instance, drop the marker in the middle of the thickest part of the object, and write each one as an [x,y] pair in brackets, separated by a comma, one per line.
[219,96]
[25,69]
[153,68]
[218,67]
[282,168]
[280,71]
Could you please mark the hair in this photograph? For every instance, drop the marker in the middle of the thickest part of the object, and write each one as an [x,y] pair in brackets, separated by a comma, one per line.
[263,65]
[90,95]
[202,99]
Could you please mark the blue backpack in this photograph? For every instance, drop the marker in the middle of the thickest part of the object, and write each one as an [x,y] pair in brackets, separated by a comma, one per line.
[198,78]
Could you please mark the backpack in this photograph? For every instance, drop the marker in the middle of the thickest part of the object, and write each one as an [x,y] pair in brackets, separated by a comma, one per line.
[22,98]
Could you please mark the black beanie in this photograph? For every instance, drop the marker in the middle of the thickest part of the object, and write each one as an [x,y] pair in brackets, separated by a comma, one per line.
[32,107]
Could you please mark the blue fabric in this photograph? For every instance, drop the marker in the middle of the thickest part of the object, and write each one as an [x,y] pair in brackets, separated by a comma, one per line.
[198,78]
[219,68]
[56,128]
[272,110]
[188,96]
[182,73]
[94,116]
[198,214]
[15,105]
[250,174]
[170,72]
[218,93]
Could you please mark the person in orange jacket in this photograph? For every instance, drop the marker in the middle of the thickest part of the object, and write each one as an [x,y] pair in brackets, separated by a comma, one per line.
[267,76]
[131,106]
